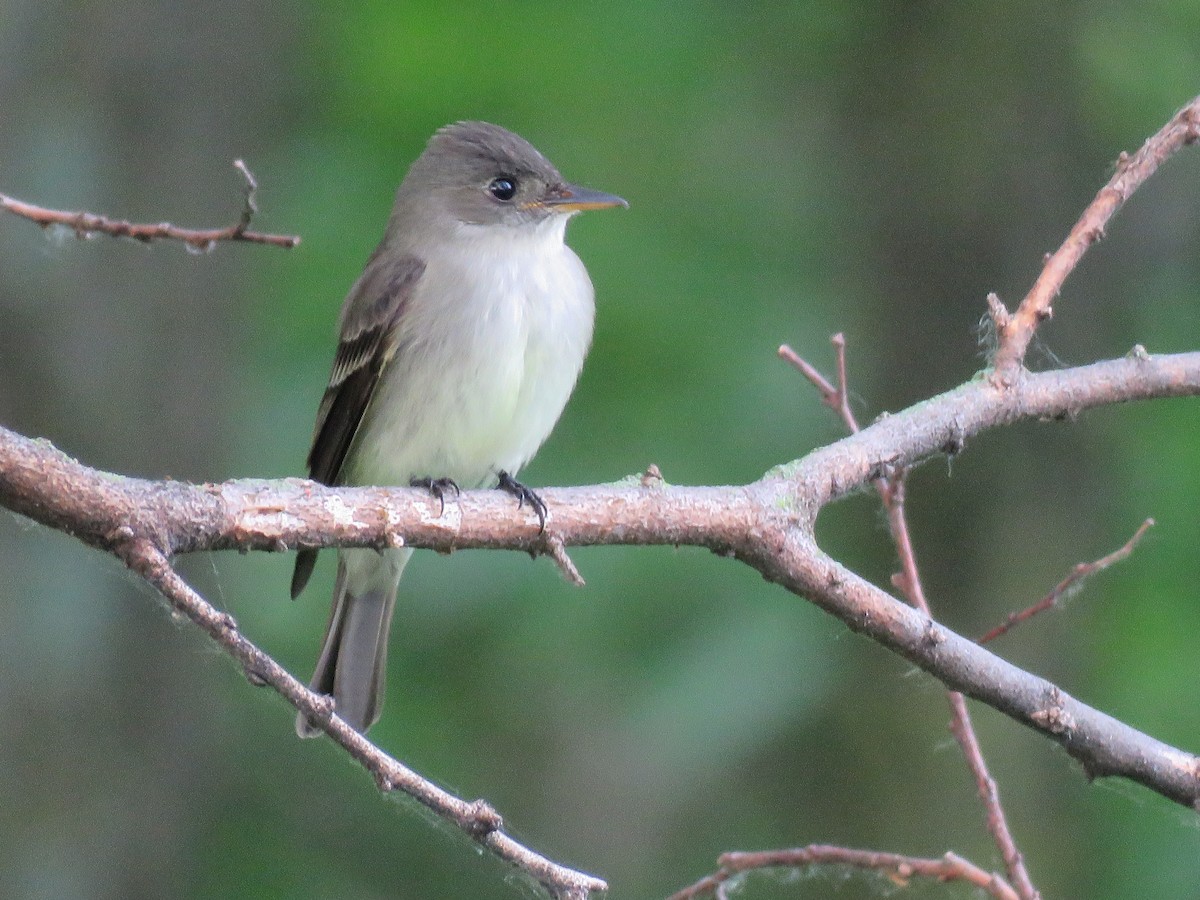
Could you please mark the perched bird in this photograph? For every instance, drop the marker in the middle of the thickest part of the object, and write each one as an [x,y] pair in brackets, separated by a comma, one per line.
[459,346]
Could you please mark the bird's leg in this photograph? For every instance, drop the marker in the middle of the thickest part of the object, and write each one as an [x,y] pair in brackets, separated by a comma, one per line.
[439,487]
[524,495]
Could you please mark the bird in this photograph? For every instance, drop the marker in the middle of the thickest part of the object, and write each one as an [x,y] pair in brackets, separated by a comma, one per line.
[459,346]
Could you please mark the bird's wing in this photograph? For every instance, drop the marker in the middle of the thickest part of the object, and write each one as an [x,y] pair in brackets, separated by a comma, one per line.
[367,344]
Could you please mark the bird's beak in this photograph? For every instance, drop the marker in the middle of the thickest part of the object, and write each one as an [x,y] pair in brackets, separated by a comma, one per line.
[572,198]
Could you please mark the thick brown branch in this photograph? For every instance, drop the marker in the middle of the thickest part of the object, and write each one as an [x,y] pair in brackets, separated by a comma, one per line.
[1016,331]
[40,482]
[1103,745]
[767,524]
[85,224]
[945,423]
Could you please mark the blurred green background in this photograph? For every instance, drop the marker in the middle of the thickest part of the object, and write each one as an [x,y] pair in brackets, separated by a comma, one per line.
[793,169]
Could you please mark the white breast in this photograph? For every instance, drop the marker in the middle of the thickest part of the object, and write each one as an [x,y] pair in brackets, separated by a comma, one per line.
[491,345]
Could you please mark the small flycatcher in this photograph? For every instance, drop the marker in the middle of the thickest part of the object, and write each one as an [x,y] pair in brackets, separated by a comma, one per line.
[459,346]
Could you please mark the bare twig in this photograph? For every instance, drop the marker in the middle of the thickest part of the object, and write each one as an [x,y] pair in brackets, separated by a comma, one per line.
[820,382]
[900,869]
[1074,580]
[557,551]
[85,224]
[1015,332]
[989,794]
[477,819]
[843,395]
[961,725]
[998,313]
[891,490]
[836,398]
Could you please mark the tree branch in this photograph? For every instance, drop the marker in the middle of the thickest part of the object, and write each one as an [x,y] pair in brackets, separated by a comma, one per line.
[477,819]
[85,224]
[1079,574]
[891,489]
[1016,331]
[767,524]
[901,869]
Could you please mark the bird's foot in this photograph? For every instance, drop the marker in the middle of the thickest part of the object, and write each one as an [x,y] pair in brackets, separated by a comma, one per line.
[439,487]
[524,495]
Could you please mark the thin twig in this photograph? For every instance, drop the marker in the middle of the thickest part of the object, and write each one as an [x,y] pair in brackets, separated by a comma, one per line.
[833,397]
[557,551]
[85,224]
[909,584]
[843,394]
[907,581]
[1016,331]
[900,869]
[1074,580]
[477,819]
[997,822]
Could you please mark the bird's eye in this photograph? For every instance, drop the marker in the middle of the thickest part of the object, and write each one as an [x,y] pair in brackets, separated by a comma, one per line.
[502,188]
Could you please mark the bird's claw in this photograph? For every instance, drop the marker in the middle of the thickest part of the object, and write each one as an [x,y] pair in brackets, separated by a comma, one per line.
[438,487]
[524,495]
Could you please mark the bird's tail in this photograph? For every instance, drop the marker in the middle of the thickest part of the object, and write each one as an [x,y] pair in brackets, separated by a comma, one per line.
[352,666]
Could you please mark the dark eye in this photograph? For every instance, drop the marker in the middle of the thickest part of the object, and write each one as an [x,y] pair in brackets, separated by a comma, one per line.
[502,188]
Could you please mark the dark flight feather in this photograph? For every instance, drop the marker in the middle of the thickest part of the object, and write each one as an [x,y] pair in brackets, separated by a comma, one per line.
[363,353]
